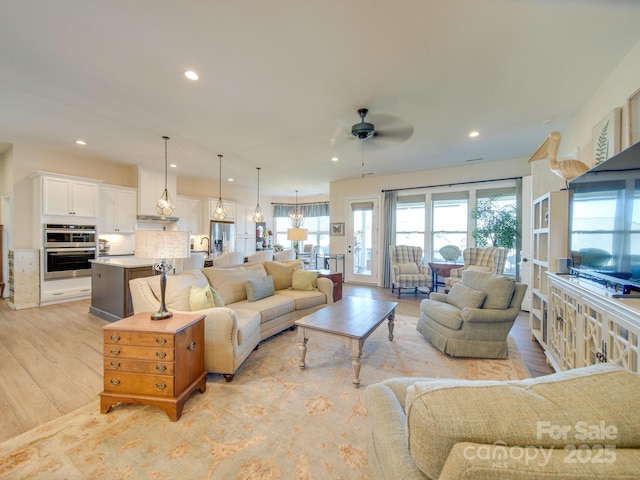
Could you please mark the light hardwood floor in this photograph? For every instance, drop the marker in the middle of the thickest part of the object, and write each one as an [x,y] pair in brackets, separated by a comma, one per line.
[51,358]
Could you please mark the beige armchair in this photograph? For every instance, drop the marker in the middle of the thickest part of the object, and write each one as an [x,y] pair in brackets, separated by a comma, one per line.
[407,270]
[487,260]
[474,319]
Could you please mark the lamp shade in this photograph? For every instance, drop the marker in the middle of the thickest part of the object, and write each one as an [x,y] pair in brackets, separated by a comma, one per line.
[162,244]
[297,234]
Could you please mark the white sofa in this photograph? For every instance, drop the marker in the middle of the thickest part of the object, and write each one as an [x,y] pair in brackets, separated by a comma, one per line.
[233,331]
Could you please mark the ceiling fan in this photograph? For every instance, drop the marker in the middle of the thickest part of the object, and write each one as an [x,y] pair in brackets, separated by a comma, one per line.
[391,130]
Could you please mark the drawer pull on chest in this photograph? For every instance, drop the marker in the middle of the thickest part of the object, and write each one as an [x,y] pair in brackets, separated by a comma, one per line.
[161,341]
[161,354]
[115,338]
[115,351]
[114,382]
[192,345]
[161,386]
[161,368]
[115,364]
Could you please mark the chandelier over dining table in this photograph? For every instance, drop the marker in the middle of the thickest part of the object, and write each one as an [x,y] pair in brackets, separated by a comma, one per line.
[296,216]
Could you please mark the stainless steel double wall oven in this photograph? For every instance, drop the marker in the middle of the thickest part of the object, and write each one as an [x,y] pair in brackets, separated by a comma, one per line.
[68,250]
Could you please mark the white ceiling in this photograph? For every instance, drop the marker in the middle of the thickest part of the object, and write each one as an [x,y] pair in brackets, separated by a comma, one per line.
[281,80]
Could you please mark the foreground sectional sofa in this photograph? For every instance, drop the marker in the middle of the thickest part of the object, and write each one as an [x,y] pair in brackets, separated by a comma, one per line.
[243,304]
[578,424]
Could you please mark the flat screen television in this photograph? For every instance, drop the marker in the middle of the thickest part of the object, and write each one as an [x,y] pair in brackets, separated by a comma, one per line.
[604,223]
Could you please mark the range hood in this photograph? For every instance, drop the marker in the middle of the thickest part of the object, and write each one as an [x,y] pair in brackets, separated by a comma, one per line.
[157,219]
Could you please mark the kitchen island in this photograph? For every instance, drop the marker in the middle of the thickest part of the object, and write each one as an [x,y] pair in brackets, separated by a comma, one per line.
[110,297]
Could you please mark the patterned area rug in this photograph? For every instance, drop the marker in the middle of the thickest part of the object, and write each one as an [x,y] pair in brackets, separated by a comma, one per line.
[273,421]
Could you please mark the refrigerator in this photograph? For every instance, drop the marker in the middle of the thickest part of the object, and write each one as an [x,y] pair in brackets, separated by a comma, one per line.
[222,236]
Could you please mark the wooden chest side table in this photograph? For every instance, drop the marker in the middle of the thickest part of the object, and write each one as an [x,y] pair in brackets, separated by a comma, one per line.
[336,278]
[153,362]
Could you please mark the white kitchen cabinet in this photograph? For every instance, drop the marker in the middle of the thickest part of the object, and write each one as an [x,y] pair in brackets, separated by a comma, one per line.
[246,245]
[64,290]
[150,188]
[245,226]
[64,196]
[117,209]
[188,210]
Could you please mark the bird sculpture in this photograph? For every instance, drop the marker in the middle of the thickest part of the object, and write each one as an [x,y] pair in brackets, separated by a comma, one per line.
[565,169]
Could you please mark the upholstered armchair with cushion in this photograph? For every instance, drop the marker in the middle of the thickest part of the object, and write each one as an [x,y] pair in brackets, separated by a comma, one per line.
[487,260]
[474,318]
[407,270]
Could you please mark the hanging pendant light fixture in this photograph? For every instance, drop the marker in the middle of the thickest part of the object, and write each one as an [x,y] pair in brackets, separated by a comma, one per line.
[218,212]
[296,217]
[257,215]
[165,205]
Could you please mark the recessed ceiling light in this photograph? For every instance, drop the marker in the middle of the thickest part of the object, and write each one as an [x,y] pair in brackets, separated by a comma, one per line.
[191,75]
[81,142]
[334,159]
[474,134]
[231,179]
[172,165]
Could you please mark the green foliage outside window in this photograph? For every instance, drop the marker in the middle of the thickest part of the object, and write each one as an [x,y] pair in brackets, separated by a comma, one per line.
[496,223]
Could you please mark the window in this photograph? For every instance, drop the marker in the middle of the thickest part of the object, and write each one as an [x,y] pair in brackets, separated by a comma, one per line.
[316,222]
[449,222]
[410,221]
[442,217]
[504,199]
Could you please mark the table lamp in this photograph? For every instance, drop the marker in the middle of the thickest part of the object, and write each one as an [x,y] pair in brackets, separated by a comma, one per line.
[296,235]
[162,244]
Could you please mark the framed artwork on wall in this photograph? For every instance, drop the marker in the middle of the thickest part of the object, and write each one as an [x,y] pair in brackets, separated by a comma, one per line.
[606,137]
[336,229]
[633,104]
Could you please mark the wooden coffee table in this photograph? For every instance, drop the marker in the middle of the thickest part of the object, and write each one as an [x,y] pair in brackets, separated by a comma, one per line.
[351,321]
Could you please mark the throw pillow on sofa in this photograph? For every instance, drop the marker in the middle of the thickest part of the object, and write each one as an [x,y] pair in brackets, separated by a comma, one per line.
[203,298]
[230,282]
[408,268]
[282,272]
[304,280]
[462,296]
[259,288]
